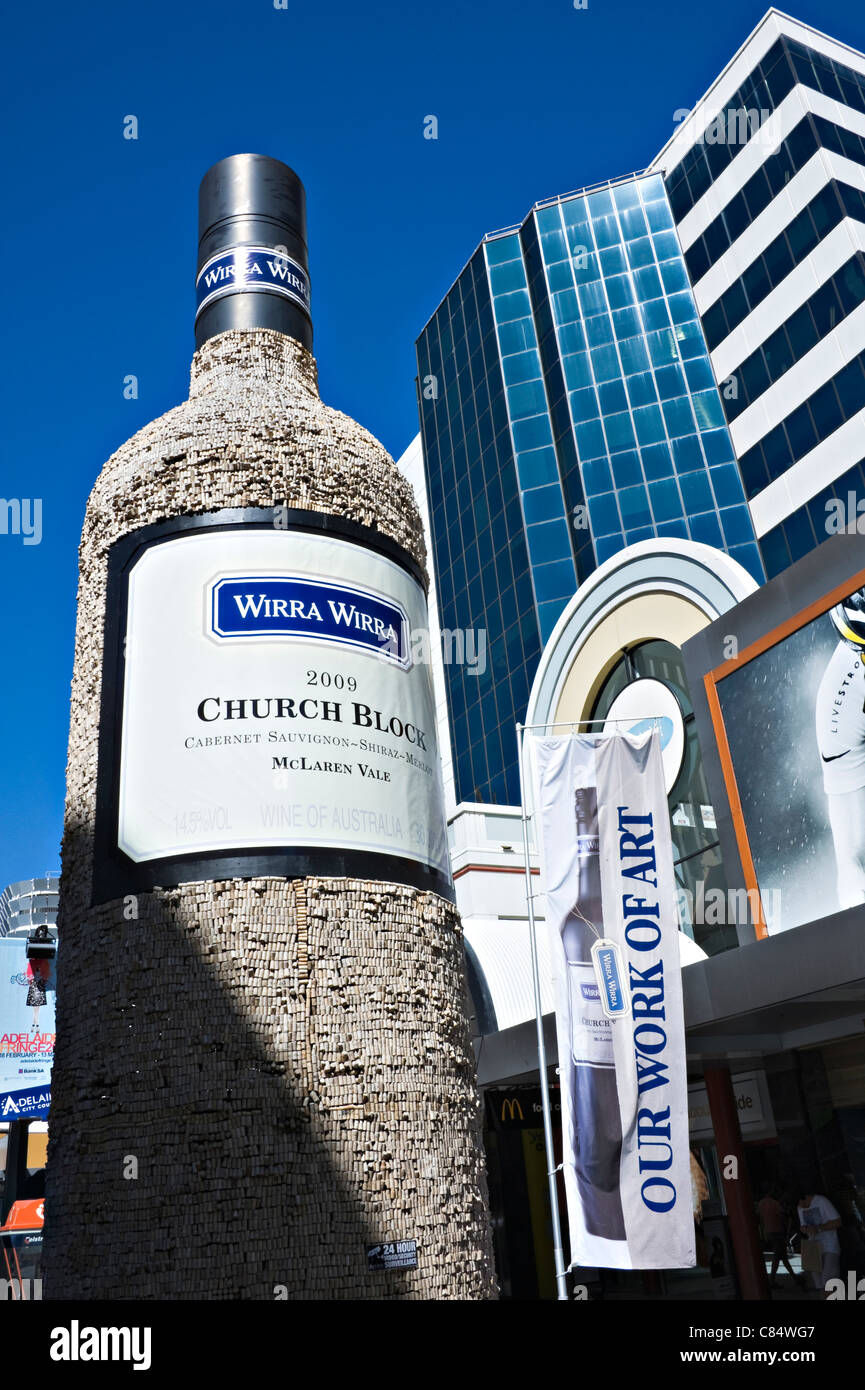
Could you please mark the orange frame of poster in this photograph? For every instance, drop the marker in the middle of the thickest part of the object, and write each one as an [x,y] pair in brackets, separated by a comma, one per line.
[710,683]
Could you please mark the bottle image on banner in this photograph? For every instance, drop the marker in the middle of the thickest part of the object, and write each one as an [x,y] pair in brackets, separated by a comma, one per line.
[597,1122]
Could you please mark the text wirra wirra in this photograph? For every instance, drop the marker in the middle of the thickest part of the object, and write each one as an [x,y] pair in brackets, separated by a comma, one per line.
[256,268]
[294,606]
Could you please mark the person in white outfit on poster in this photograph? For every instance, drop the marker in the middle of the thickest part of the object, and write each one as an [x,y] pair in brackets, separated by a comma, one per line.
[841,743]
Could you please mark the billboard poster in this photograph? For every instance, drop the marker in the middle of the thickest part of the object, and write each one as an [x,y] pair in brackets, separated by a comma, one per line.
[798,770]
[604,832]
[27,992]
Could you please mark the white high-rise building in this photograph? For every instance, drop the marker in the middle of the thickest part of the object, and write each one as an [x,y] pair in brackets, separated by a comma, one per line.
[766,181]
[30,903]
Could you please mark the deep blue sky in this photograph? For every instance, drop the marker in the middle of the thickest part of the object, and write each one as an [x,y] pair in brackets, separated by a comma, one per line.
[99,261]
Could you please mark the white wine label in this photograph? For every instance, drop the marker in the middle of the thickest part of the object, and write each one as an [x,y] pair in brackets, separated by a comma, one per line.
[590,1031]
[270,701]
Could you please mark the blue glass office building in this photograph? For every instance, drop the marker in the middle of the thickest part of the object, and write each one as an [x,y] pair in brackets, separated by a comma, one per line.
[568,409]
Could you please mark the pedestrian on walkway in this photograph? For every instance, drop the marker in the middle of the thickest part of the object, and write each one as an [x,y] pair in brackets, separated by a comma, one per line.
[775,1226]
[818,1220]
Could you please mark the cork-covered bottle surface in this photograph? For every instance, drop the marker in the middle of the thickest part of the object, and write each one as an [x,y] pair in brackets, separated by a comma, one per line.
[256,1079]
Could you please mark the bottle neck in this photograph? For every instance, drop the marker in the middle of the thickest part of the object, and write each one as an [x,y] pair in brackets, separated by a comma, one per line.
[252,359]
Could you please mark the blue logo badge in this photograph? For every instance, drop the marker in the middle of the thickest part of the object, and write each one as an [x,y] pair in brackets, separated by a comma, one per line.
[283,606]
[251,268]
[608,972]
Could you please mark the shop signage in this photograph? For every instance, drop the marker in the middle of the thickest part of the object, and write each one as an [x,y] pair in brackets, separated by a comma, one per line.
[749,1105]
[519,1109]
[642,705]
[32,1104]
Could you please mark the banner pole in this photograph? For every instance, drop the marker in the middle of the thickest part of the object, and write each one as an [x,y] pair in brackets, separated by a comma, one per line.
[558,1253]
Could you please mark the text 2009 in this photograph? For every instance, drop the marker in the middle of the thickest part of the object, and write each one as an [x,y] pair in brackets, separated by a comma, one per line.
[328,681]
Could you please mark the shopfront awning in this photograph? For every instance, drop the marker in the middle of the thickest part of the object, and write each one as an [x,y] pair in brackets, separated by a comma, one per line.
[499,954]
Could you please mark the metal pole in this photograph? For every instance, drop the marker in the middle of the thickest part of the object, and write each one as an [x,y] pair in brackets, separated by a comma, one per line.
[561,1281]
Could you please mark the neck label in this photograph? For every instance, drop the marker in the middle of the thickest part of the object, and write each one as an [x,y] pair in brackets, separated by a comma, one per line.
[245,268]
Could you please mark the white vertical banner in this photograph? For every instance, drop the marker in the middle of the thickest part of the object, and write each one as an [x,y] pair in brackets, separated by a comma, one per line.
[604,834]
